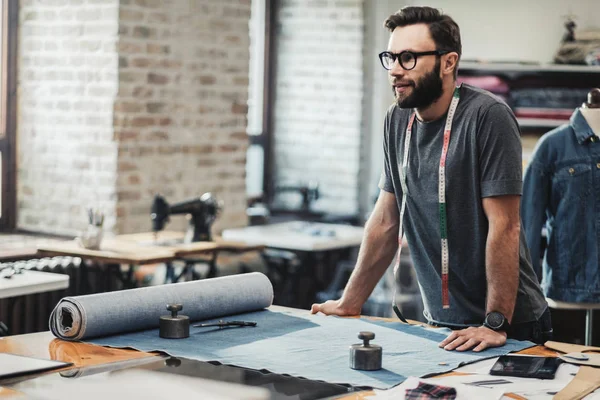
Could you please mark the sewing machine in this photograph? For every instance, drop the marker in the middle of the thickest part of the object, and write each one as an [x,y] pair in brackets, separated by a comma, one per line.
[281,211]
[309,193]
[202,212]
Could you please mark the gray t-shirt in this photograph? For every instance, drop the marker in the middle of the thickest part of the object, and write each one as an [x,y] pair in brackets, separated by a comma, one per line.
[484,159]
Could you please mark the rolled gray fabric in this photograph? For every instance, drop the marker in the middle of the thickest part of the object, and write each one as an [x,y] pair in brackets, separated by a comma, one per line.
[102,314]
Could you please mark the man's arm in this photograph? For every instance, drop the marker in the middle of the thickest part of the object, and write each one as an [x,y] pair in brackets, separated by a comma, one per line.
[502,253]
[502,271]
[377,250]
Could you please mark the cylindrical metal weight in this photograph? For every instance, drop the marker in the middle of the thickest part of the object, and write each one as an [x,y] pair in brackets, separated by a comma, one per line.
[174,326]
[365,356]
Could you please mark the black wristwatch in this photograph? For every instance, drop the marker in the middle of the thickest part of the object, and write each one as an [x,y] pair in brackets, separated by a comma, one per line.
[496,321]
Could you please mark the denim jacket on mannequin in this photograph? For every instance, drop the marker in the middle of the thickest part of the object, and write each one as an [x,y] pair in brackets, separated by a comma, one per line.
[562,192]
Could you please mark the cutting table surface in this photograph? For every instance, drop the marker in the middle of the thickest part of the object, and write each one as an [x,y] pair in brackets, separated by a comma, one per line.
[88,358]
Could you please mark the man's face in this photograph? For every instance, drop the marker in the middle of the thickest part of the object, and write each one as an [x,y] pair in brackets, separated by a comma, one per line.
[422,85]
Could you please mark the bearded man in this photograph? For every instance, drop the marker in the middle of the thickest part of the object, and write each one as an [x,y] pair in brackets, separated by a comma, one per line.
[451,186]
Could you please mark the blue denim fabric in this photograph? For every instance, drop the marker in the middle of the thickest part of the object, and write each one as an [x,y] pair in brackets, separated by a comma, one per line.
[314,347]
[102,314]
[562,192]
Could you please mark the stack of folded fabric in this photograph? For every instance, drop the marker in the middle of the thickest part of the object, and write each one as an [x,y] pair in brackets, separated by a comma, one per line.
[494,84]
[547,103]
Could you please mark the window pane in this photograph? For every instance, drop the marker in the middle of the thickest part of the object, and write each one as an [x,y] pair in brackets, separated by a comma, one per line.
[254,170]
[257,68]
[255,156]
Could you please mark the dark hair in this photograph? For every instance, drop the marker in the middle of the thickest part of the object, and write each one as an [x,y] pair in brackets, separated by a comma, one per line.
[443,29]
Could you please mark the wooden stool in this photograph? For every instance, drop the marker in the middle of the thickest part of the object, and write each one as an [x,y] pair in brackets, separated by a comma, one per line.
[589,307]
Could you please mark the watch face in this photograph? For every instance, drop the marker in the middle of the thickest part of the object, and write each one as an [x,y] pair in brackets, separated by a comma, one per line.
[495,320]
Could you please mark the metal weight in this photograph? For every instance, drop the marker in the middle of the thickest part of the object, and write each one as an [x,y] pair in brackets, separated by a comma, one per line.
[173,362]
[174,326]
[365,356]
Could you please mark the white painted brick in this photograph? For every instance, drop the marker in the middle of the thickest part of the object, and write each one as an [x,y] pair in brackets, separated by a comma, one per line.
[58,162]
[319,98]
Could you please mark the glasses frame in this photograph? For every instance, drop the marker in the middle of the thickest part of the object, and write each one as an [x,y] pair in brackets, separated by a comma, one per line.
[415,54]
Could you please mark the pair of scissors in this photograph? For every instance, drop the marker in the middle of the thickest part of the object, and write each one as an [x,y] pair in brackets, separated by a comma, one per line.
[222,324]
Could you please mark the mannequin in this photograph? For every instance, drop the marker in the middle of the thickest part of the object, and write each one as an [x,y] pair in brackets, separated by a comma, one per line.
[591,110]
[559,193]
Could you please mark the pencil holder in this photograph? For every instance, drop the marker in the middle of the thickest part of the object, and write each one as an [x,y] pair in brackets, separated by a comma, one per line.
[91,237]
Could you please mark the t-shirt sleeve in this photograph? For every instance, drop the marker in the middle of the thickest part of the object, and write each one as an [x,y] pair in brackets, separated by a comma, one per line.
[385,180]
[500,153]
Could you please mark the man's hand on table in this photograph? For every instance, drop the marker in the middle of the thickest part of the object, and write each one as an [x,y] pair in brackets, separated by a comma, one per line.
[477,339]
[333,307]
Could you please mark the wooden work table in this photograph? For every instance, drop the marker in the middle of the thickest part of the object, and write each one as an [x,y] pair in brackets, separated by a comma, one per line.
[82,355]
[143,248]
[88,356]
[147,248]
[111,251]
[17,254]
[108,259]
[190,253]
[173,241]
[16,246]
[168,241]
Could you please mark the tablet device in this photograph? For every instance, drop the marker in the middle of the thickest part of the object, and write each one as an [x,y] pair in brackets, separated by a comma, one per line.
[526,366]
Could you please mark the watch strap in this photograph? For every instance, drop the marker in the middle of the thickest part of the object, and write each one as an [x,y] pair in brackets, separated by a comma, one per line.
[505,327]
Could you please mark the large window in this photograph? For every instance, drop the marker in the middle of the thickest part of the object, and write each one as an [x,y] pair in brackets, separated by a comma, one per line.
[8,50]
[258,161]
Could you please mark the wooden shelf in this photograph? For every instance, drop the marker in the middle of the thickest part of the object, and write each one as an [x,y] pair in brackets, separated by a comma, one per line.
[523,76]
[541,122]
[510,67]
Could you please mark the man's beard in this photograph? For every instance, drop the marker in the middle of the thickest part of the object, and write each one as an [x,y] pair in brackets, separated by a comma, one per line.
[427,90]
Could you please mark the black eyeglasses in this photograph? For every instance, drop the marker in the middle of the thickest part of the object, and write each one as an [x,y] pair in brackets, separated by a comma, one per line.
[407,59]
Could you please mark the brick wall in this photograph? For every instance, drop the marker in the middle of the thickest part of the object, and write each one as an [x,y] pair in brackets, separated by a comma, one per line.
[67,77]
[122,99]
[180,114]
[318,98]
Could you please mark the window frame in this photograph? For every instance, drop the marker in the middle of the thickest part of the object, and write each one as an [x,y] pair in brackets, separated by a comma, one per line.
[270,79]
[8,113]
[262,135]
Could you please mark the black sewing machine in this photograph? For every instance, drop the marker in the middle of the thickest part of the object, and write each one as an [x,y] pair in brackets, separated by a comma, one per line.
[202,212]
[309,193]
[274,211]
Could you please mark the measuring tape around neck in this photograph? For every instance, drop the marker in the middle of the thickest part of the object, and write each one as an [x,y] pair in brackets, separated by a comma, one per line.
[441,198]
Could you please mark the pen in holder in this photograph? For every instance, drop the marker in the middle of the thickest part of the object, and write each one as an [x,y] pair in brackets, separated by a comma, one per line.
[91,237]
